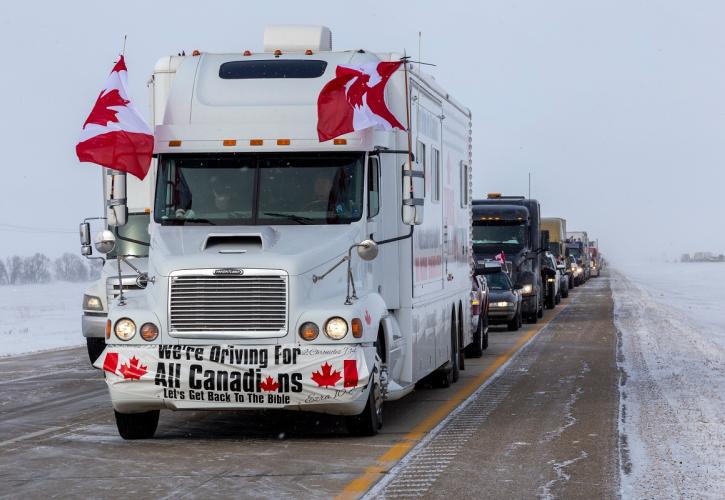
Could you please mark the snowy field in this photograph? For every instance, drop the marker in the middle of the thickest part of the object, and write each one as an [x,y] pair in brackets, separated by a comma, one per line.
[38,317]
[672,353]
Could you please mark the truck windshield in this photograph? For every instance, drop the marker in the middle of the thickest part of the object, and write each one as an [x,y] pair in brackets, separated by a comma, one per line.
[574,252]
[501,235]
[555,248]
[130,238]
[498,281]
[260,189]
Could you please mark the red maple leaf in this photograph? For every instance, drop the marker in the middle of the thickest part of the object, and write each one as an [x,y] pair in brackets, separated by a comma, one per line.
[327,378]
[133,370]
[102,114]
[269,385]
[368,318]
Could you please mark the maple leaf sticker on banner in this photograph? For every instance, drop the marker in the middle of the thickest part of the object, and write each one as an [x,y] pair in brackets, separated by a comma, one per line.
[133,370]
[326,377]
[368,318]
[269,385]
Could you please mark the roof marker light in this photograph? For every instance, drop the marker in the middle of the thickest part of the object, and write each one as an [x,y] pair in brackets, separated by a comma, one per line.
[174,144]
[247,53]
[256,142]
[308,52]
[277,52]
[230,142]
[283,142]
[196,53]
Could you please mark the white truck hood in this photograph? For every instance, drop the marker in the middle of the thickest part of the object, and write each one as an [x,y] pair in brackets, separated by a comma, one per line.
[296,249]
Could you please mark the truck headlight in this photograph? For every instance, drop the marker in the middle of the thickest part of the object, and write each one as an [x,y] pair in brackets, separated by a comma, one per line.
[309,331]
[550,280]
[503,304]
[149,332]
[527,289]
[125,329]
[336,328]
[92,303]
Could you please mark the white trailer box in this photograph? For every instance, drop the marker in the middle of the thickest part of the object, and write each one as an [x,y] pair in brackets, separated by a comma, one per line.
[252,301]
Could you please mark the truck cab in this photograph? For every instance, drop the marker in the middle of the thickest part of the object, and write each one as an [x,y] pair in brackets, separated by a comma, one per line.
[511,225]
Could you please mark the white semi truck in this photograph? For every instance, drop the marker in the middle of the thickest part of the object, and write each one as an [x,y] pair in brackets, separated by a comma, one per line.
[285,272]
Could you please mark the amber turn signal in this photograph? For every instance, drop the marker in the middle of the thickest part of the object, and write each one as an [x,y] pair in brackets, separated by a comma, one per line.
[339,142]
[357,328]
[149,332]
[108,329]
[309,331]
[174,144]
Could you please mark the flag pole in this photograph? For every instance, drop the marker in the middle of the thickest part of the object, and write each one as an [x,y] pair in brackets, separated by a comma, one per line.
[407,117]
[123,50]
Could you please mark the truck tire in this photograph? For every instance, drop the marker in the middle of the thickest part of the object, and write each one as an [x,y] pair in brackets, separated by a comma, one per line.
[565,291]
[445,376]
[475,349]
[95,347]
[515,322]
[137,425]
[455,351]
[550,300]
[371,419]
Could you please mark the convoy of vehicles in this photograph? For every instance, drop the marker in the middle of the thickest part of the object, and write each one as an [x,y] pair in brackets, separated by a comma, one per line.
[283,272]
[256,267]
[577,249]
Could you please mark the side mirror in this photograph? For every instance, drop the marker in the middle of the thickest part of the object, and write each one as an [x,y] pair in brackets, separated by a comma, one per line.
[413,193]
[105,241]
[367,250]
[85,234]
[116,208]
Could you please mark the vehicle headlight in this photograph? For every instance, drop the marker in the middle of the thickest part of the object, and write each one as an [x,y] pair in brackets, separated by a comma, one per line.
[550,280]
[504,304]
[149,332]
[125,329]
[336,328]
[92,303]
[527,289]
[309,331]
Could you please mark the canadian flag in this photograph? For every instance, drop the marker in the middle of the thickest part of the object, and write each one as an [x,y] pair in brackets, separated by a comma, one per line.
[355,100]
[114,134]
[501,257]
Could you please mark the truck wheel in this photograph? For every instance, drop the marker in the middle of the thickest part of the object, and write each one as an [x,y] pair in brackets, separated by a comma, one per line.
[95,347]
[475,350]
[371,419]
[484,344]
[557,298]
[455,352]
[550,300]
[137,425]
[565,291]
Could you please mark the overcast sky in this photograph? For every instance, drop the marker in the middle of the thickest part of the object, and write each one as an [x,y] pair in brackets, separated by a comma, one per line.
[616,108]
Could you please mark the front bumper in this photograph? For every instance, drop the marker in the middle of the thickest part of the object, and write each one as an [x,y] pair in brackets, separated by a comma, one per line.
[325,378]
[501,314]
[94,326]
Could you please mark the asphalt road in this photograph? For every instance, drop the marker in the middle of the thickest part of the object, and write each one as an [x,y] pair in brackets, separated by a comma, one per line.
[536,416]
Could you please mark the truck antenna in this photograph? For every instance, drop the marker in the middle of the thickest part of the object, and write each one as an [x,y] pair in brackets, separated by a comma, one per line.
[420,37]
[123,50]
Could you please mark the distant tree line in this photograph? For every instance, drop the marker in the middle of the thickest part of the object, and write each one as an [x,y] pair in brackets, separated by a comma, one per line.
[38,268]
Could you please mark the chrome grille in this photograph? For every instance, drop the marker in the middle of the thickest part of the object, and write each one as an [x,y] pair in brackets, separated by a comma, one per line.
[251,304]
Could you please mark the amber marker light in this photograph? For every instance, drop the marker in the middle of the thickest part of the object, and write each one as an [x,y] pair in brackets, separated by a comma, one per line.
[256,142]
[283,142]
[149,332]
[308,52]
[108,329]
[277,52]
[196,53]
[357,328]
[339,142]
[230,142]
[174,144]
[247,53]
[309,331]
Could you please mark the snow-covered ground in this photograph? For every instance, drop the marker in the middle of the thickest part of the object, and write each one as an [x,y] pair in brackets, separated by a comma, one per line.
[672,352]
[38,317]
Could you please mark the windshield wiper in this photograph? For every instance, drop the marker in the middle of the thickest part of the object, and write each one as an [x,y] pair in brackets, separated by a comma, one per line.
[297,218]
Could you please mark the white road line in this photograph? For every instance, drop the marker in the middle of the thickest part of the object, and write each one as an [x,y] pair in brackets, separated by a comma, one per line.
[30,435]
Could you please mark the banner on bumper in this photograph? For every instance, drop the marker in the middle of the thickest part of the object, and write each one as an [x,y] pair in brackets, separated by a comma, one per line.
[239,376]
